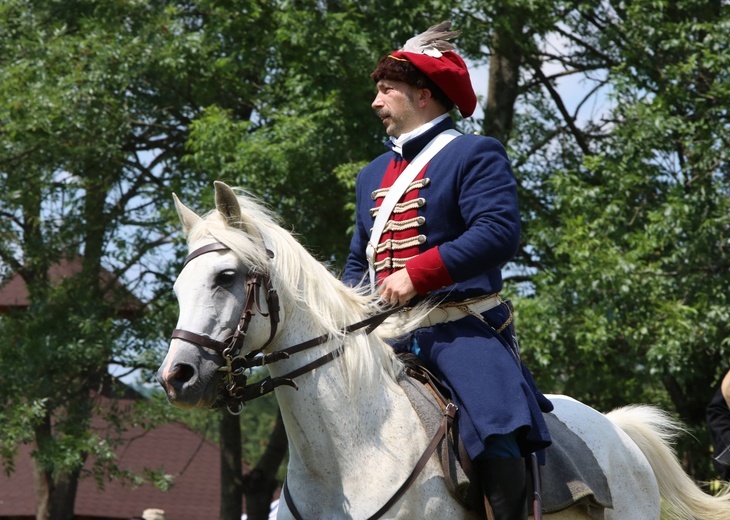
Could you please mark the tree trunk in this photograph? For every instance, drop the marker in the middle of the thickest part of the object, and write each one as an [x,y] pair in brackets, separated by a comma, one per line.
[504,78]
[42,485]
[55,497]
[260,483]
[231,467]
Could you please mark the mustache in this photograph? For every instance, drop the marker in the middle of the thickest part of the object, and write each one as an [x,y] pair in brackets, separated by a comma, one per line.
[381,113]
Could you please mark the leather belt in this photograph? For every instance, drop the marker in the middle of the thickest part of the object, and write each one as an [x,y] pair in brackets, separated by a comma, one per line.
[452,311]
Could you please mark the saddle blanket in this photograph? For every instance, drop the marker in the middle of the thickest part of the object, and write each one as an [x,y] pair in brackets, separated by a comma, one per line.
[571,475]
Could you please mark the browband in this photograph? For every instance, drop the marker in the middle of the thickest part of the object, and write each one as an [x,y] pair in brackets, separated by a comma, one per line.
[215,246]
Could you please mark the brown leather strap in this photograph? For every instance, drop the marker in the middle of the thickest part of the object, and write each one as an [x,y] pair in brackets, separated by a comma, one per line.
[369,324]
[215,246]
[536,488]
[415,369]
[268,384]
[449,415]
[198,339]
[488,509]
[290,503]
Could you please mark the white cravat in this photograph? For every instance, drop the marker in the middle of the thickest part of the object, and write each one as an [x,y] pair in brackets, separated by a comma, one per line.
[399,141]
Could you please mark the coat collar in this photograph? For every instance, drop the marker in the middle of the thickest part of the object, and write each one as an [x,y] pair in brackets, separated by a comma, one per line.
[413,146]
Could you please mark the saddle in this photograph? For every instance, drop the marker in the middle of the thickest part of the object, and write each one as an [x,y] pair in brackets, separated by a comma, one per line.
[571,475]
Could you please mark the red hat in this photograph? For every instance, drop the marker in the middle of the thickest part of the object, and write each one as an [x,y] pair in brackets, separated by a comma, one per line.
[448,71]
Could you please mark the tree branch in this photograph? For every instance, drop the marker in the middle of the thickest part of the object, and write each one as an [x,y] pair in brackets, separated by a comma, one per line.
[569,120]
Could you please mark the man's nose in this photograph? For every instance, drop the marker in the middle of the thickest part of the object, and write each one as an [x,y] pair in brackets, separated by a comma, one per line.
[377,102]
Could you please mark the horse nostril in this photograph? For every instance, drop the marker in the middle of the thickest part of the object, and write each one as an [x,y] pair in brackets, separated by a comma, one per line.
[181,373]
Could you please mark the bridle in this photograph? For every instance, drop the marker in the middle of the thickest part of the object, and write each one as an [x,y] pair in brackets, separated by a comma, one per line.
[234,380]
[236,391]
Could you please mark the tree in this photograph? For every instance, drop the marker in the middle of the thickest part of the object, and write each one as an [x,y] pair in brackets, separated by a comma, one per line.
[623,275]
[96,101]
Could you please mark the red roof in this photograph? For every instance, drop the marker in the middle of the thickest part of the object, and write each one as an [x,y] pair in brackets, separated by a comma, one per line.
[14,293]
[193,462]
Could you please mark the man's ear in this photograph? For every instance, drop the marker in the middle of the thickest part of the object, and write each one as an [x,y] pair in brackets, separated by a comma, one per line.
[424,96]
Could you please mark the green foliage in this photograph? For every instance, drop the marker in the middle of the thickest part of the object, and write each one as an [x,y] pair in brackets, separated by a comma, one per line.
[89,133]
[631,298]
[306,122]
[17,424]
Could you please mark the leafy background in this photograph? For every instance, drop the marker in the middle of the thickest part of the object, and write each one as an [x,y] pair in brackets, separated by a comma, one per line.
[614,115]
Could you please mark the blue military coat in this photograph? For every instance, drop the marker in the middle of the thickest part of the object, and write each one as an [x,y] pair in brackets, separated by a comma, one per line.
[453,229]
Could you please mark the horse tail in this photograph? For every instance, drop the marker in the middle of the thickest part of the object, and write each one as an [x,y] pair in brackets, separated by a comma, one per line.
[654,432]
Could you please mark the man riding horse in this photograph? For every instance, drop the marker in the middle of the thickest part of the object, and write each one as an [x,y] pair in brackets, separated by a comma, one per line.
[437,217]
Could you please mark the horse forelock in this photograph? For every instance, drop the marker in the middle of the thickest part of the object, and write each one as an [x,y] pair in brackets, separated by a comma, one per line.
[306,283]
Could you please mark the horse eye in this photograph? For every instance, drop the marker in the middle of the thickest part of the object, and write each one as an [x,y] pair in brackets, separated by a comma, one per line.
[225,278]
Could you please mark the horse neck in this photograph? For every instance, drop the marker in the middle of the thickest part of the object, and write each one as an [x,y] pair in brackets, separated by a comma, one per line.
[327,414]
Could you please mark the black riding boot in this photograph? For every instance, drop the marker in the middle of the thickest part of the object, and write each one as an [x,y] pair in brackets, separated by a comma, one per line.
[504,483]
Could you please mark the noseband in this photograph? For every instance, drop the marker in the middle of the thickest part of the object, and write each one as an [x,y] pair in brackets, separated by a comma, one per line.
[236,391]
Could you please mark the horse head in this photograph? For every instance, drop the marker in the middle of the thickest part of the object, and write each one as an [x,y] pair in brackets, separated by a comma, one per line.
[223,317]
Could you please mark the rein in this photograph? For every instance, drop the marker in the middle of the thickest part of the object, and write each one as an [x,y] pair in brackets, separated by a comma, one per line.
[237,390]
[247,392]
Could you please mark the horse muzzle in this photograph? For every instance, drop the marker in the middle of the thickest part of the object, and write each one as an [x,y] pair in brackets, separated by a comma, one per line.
[189,381]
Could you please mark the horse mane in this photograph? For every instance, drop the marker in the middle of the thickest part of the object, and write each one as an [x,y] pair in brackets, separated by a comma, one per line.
[304,281]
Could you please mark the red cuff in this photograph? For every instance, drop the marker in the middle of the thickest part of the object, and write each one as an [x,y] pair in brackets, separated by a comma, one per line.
[428,272]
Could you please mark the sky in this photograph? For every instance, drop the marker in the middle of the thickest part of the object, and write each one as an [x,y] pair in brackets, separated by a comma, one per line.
[572,88]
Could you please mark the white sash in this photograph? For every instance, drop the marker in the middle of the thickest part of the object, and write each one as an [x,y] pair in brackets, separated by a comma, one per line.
[396,192]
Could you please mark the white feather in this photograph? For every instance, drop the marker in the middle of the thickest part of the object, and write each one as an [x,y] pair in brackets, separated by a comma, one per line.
[433,41]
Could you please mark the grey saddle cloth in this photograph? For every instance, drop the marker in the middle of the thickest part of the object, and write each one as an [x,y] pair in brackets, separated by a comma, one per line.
[571,475]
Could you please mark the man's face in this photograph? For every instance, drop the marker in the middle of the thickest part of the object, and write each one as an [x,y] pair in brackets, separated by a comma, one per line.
[396,105]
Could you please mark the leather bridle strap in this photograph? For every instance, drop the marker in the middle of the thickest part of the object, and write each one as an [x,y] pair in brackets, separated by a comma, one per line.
[253,285]
[253,299]
[449,414]
[221,347]
[370,323]
[215,246]
[203,341]
[248,392]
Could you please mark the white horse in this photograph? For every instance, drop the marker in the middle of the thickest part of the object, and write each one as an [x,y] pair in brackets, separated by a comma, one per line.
[354,437]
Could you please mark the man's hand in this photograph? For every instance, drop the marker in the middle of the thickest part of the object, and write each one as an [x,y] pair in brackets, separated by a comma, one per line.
[397,289]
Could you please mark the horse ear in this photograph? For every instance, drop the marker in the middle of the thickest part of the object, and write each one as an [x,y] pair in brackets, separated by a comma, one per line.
[227,204]
[188,218]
